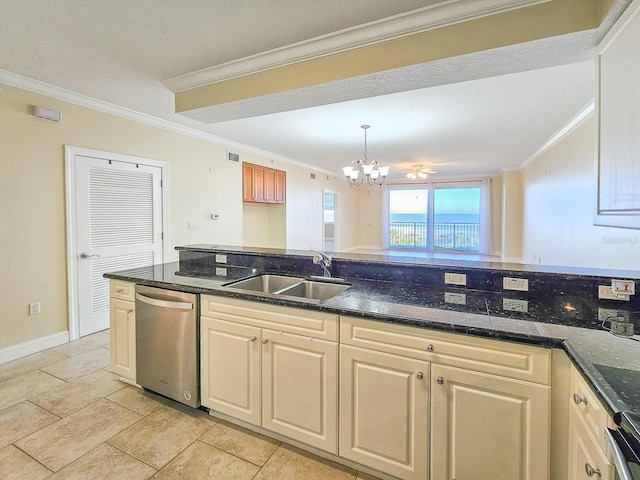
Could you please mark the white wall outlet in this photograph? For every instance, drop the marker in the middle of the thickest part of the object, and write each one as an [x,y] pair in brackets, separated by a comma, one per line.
[221,258]
[520,284]
[515,305]
[193,225]
[455,298]
[605,292]
[34,308]
[605,314]
[221,272]
[455,278]
[622,328]
[626,287]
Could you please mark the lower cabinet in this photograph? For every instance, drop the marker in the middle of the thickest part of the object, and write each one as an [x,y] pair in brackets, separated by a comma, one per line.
[284,382]
[122,324]
[485,427]
[384,412]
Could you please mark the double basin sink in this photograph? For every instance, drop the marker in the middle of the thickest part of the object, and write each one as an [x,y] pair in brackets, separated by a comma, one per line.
[291,286]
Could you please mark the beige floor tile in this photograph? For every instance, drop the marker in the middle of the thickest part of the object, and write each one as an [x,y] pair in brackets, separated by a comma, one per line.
[65,399]
[84,344]
[162,435]
[79,365]
[240,442]
[201,461]
[138,400]
[18,389]
[63,442]
[105,463]
[289,463]
[23,419]
[15,465]
[28,364]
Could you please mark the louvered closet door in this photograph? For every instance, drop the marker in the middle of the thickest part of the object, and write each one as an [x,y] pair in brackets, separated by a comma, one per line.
[119,222]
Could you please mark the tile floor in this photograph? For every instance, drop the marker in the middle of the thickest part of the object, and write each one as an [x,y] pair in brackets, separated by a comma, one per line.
[63,415]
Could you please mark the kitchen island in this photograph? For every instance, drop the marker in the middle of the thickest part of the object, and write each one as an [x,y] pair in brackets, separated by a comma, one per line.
[409,293]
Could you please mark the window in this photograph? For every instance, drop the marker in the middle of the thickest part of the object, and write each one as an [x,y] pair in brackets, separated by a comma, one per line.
[436,216]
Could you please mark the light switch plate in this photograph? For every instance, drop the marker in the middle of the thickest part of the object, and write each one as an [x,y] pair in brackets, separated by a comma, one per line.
[221,272]
[455,278]
[221,258]
[519,284]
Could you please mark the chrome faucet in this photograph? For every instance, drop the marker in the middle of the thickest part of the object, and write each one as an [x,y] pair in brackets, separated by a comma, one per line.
[324,260]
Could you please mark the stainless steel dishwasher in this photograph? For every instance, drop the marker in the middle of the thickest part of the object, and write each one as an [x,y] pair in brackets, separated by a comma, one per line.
[168,343]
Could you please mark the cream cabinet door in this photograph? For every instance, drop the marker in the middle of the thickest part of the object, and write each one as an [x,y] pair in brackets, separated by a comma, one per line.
[122,324]
[486,427]
[230,368]
[300,388]
[384,408]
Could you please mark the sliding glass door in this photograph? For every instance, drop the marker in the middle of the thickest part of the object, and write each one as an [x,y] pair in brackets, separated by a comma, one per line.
[434,217]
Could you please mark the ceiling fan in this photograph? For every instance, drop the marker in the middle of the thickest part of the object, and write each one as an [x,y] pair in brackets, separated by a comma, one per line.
[418,172]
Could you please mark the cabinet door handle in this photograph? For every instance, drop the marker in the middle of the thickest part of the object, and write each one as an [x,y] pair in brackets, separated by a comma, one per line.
[440,380]
[118,290]
[577,399]
[253,339]
[429,348]
[419,375]
[590,470]
[265,341]
[130,310]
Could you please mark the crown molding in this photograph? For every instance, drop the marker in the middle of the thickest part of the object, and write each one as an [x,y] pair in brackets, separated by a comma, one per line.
[416,21]
[41,88]
[582,115]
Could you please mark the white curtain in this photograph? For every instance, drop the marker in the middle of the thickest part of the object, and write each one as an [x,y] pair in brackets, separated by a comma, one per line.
[486,246]
[384,221]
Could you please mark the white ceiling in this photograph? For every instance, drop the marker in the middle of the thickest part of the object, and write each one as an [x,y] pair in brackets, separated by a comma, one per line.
[479,113]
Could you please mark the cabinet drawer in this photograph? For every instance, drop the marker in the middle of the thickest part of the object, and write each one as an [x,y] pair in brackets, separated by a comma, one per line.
[584,452]
[589,409]
[123,290]
[286,319]
[506,359]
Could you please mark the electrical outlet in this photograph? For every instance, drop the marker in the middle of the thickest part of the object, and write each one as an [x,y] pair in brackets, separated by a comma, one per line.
[519,284]
[193,225]
[455,278]
[34,308]
[626,287]
[605,292]
[515,305]
[612,314]
[455,298]
[221,258]
[622,328]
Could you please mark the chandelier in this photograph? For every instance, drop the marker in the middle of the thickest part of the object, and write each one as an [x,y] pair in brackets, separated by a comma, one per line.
[364,170]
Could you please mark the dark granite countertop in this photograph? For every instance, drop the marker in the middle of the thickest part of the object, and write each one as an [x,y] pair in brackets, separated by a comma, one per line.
[610,364]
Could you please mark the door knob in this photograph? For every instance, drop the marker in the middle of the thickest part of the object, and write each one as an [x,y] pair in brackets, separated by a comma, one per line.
[577,399]
[440,380]
[419,375]
[590,471]
[253,339]
[86,255]
[265,341]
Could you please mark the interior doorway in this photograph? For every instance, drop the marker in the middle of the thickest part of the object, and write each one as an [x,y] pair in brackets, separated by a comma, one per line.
[330,221]
[116,210]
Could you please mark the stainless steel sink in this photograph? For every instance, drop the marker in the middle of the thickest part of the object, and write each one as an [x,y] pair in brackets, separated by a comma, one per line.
[314,290]
[291,286]
[266,283]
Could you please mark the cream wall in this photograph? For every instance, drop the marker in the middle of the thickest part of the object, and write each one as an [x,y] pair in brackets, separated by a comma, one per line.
[32,200]
[558,208]
[512,190]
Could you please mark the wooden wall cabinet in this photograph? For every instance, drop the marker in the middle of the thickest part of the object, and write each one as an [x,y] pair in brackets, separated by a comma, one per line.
[262,184]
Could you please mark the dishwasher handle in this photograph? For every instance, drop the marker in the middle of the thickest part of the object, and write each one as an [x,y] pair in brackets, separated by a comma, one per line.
[164,303]
[618,456]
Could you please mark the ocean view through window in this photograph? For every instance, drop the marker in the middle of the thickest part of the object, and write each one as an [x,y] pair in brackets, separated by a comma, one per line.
[441,218]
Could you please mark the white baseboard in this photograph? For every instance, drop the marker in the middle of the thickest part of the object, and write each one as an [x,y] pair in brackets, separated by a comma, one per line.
[33,346]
